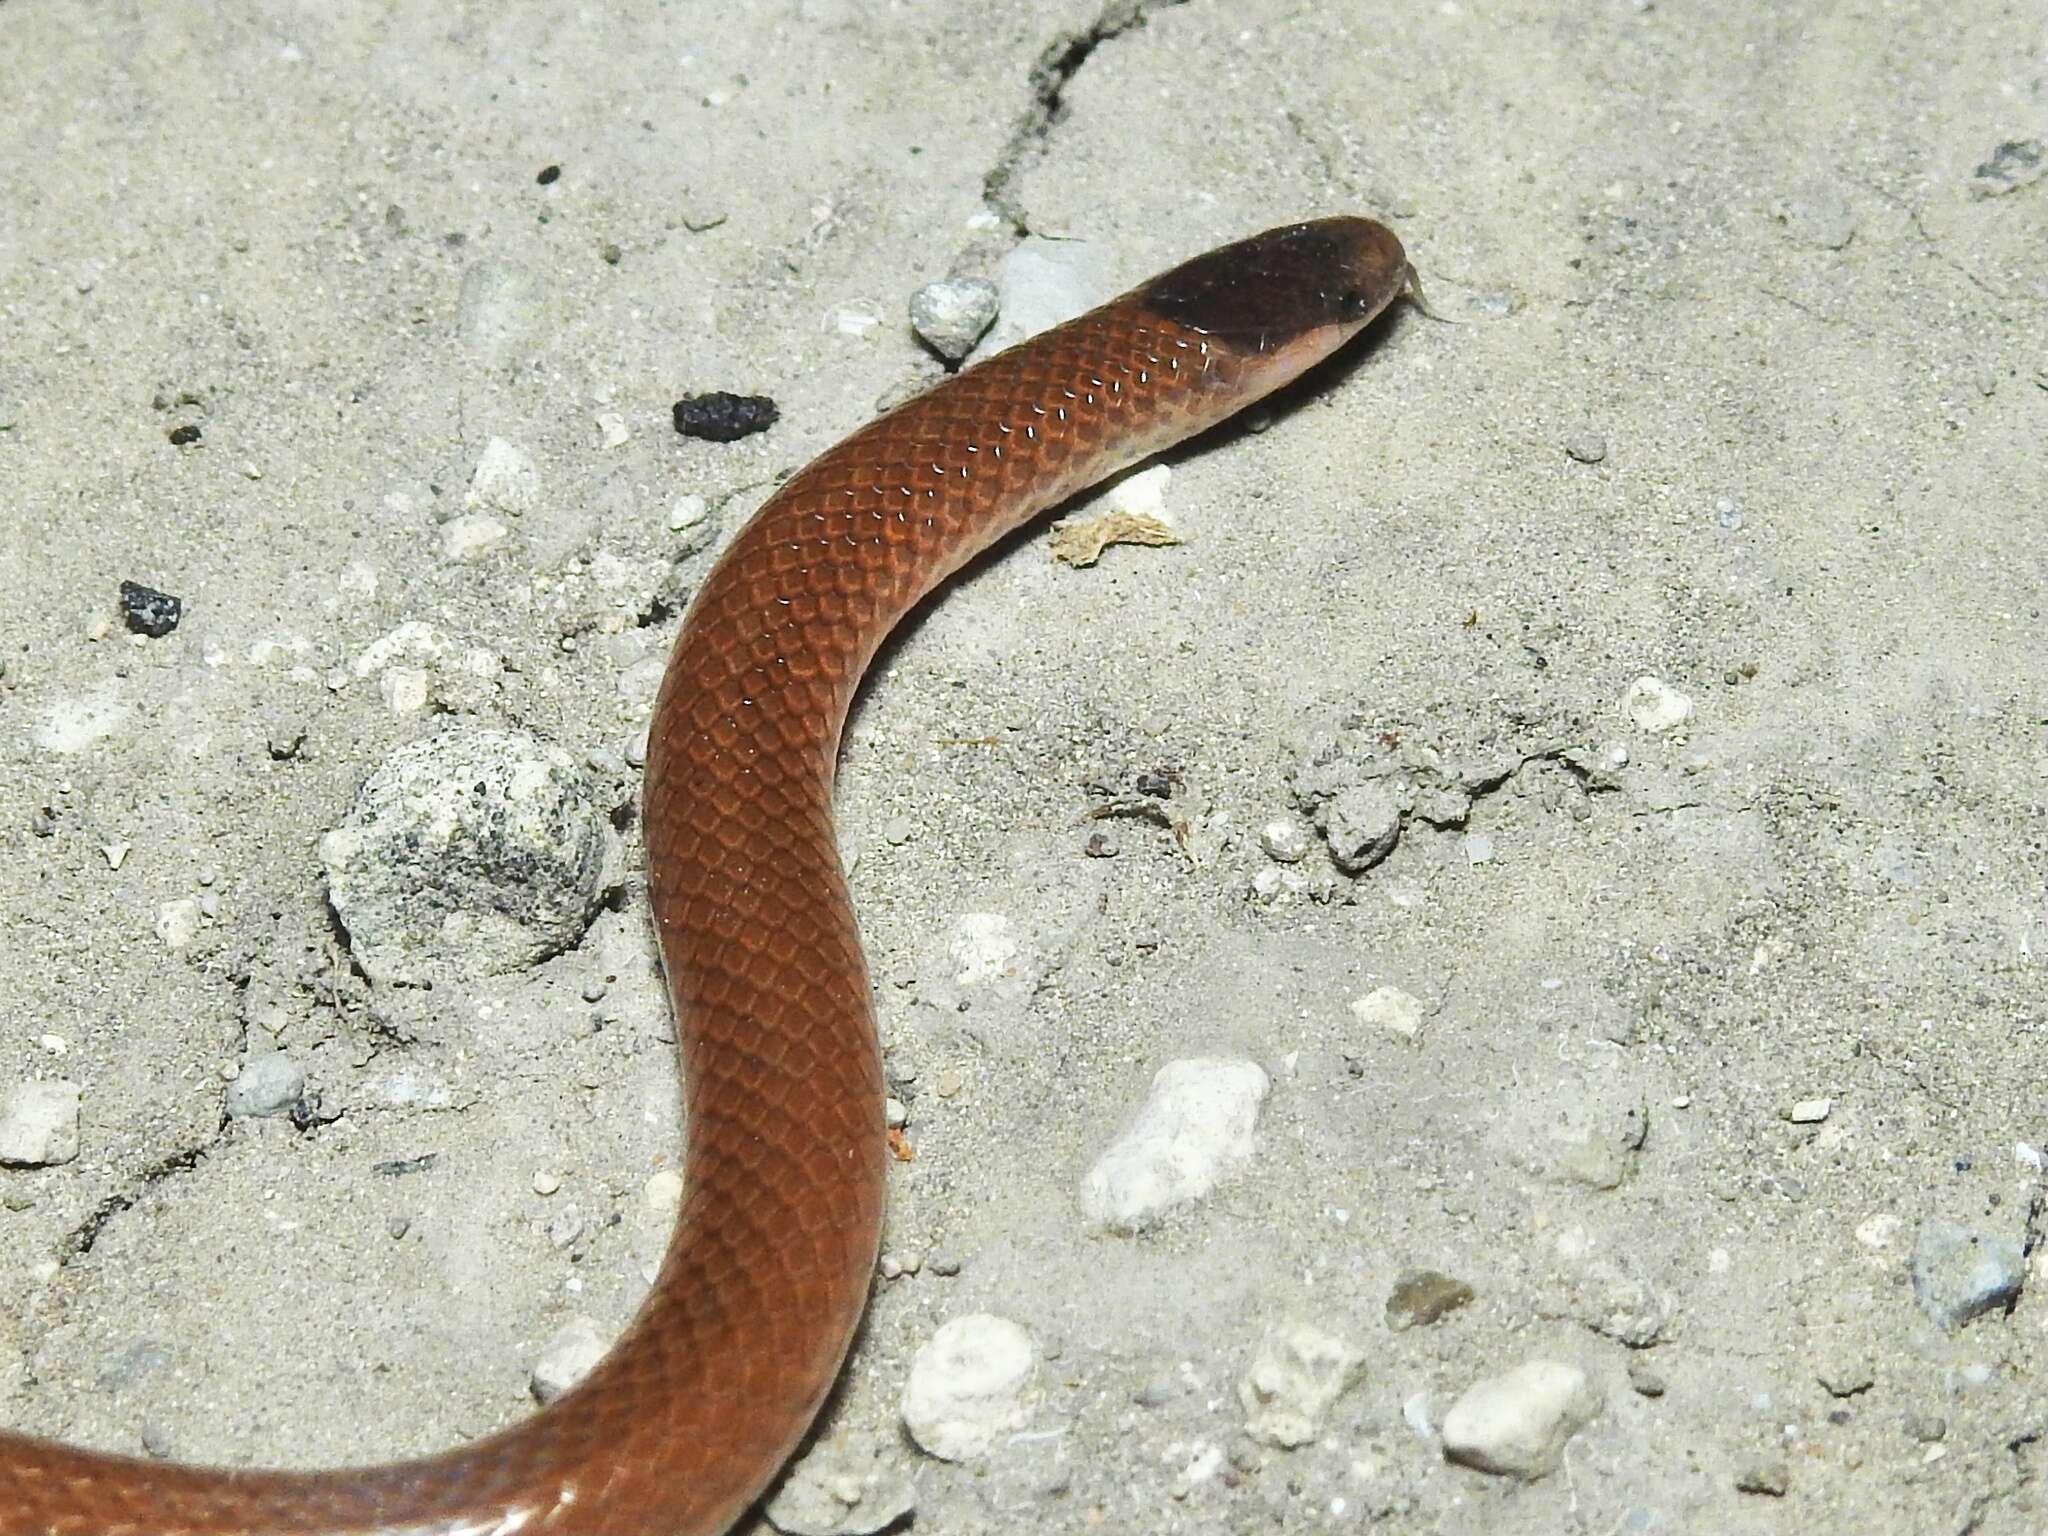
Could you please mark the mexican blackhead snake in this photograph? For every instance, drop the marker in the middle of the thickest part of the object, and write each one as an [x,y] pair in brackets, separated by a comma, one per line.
[681,1426]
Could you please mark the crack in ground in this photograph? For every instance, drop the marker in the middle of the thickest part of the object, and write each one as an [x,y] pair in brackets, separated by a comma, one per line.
[1055,68]
[87,1232]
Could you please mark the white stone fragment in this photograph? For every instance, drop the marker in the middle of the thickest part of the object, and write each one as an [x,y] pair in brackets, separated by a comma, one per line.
[1297,1374]
[565,1359]
[39,1124]
[269,1083]
[1285,840]
[471,536]
[1142,494]
[504,480]
[470,853]
[1517,1423]
[1810,1111]
[983,947]
[404,690]
[1655,705]
[970,1385]
[611,429]
[852,1488]
[177,922]
[1043,282]
[687,512]
[952,314]
[1391,1009]
[1197,1124]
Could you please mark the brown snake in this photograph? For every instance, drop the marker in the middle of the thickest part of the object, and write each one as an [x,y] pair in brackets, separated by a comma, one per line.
[679,1428]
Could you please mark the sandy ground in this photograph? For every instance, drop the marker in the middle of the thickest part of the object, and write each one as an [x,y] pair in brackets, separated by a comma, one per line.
[1747,392]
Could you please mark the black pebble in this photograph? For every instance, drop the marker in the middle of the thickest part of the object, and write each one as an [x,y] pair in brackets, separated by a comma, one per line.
[721,418]
[549,175]
[148,611]
[184,436]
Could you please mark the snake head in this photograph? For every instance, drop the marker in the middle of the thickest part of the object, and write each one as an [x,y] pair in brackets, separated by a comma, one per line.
[1298,292]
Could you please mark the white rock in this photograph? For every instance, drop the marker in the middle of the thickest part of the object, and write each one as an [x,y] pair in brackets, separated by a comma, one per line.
[177,922]
[1655,705]
[1810,1111]
[1361,823]
[470,853]
[39,1124]
[970,1385]
[1285,840]
[983,947]
[404,690]
[611,429]
[504,480]
[1391,1009]
[1297,1374]
[850,1489]
[1197,1124]
[1043,282]
[471,535]
[566,1359]
[1517,1423]
[687,512]
[1142,494]
[952,314]
[270,1083]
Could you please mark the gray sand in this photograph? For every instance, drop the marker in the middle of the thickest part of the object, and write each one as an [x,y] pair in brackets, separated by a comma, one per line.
[1738,257]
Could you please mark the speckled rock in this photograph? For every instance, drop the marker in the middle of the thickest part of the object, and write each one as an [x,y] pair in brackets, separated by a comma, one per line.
[470,853]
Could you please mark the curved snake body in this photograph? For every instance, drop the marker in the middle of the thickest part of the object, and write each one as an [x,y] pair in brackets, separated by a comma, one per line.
[683,1423]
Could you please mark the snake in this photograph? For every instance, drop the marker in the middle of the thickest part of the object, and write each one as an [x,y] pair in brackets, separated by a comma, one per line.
[685,1421]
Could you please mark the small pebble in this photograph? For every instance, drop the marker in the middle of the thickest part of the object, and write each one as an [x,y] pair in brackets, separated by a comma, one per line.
[687,512]
[545,1183]
[971,1384]
[1810,1111]
[895,1113]
[1285,840]
[268,1084]
[39,1124]
[951,316]
[1655,705]
[471,535]
[2013,164]
[1297,1374]
[503,481]
[844,1487]
[1647,1380]
[1422,1297]
[898,830]
[1586,447]
[1361,824]
[149,612]
[1769,1476]
[1959,1275]
[1195,1126]
[565,1359]
[1389,1008]
[722,417]
[1728,513]
[1478,848]
[1516,1424]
